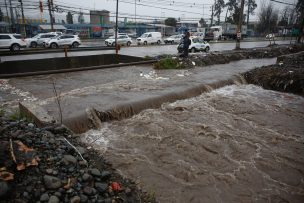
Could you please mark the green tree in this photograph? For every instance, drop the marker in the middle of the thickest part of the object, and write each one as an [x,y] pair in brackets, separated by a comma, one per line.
[1,15]
[284,17]
[69,18]
[300,11]
[268,18]
[251,6]
[202,22]
[80,18]
[171,22]
[231,5]
[234,12]
[218,6]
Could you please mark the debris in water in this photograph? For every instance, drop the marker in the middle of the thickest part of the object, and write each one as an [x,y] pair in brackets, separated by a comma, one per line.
[116,186]
[5,175]
[22,155]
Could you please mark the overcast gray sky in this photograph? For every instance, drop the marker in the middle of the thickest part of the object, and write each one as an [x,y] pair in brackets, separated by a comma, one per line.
[185,9]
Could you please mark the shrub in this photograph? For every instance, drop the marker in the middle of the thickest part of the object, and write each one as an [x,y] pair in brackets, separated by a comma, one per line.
[169,63]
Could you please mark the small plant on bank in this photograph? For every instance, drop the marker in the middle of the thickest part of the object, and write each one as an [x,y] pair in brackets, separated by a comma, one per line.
[57,99]
[169,63]
[151,197]
[1,112]
[15,116]
[148,58]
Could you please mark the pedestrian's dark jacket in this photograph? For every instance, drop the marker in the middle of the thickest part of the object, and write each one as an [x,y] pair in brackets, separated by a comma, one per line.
[187,42]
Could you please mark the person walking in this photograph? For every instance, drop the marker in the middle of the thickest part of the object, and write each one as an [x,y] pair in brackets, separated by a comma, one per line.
[186,43]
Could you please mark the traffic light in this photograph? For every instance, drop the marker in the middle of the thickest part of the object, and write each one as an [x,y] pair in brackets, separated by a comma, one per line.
[41,6]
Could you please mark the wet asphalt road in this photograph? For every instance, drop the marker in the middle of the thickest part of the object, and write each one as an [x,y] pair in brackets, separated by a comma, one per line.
[150,50]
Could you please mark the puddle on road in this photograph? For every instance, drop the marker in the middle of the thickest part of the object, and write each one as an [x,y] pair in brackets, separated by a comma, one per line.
[233,144]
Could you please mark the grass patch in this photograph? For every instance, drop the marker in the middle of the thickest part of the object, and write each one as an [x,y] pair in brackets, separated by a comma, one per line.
[151,197]
[148,58]
[15,116]
[1,112]
[169,63]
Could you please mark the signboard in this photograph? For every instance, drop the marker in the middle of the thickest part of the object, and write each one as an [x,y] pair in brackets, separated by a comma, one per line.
[97,29]
[239,35]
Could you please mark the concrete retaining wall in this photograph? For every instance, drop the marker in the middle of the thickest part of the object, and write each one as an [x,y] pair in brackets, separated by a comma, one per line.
[54,64]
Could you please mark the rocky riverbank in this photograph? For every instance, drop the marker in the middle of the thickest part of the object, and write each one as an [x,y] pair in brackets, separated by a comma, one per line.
[285,76]
[50,165]
[224,57]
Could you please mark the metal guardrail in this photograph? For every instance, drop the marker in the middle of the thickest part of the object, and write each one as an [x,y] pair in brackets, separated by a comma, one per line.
[59,50]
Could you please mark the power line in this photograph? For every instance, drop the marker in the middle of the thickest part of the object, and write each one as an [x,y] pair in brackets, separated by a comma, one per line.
[280,2]
[59,8]
[163,8]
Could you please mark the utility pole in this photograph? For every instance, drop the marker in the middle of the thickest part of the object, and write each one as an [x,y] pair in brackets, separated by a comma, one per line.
[7,12]
[17,14]
[239,27]
[22,14]
[135,19]
[249,2]
[116,28]
[53,11]
[12,13]
[51,15]
[211,16]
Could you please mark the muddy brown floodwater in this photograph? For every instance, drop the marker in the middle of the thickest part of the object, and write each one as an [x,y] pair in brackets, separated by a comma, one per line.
[234,144]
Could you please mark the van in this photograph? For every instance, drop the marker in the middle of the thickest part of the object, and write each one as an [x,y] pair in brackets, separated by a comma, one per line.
[217,32]
[149,38]
[199,34]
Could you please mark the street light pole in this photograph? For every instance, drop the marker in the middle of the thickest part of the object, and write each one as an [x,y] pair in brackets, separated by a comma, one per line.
[239,27]
[116,28]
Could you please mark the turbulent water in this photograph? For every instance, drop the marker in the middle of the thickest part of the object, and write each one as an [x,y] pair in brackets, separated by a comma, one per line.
[234,144]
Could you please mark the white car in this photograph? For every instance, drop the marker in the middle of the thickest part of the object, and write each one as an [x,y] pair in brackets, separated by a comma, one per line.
[270,36]
[39,39]
[197,44]
[121,40]
[199,35]
[173,39]
[12,41]
[149,38]
[63,40]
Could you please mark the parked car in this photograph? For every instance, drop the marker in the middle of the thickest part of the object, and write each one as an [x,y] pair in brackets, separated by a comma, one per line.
[173,39]
[270,36]
[40,39]
[63,40]
[199,34]
[121,40]
[132,34]
[12,41]
[197,44]
[149,38]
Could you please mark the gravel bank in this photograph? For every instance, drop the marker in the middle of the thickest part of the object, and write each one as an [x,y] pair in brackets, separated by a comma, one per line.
[285,76]
[212,58]
[42,165]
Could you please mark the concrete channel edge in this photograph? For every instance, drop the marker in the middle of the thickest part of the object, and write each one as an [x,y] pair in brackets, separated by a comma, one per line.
[93,119]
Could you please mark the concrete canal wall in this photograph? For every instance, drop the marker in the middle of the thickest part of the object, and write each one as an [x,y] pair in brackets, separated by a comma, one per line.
[66,64]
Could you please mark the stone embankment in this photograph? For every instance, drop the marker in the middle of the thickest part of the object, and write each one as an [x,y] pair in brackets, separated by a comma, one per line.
[50,165]
[287,75]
